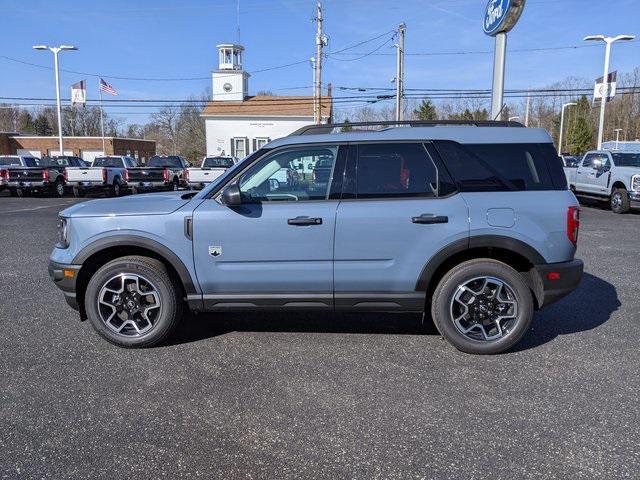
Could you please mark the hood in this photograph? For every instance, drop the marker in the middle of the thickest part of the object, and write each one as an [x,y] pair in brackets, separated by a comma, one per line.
[145,204]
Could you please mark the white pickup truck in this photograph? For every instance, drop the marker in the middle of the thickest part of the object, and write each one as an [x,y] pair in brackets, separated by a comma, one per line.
[212,168]
[107,173]
[611,176]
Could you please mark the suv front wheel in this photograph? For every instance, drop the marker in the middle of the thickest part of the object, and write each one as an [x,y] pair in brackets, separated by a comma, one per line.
[482,306]
[133,302]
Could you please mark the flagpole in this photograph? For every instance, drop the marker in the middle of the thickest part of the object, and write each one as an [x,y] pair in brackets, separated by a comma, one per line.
[104,152]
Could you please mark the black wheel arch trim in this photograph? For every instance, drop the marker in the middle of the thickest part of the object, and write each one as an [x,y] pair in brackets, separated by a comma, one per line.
[142,242]
[478,241]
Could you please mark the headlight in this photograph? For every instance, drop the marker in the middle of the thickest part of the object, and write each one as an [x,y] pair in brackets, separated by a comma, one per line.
[635,183]
[62,237]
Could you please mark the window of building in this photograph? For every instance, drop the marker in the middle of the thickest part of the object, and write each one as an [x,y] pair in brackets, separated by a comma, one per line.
[239,147]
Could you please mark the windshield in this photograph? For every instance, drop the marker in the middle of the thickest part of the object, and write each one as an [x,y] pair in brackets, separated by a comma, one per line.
[626,159]
[9,161]
[220,162]
[165,162]
[114,162]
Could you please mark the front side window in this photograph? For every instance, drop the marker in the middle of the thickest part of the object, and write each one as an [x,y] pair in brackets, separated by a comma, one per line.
[395,170]
[281,176]
[588,160]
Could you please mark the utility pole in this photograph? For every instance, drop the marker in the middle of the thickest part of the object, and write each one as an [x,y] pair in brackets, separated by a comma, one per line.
[564,107]
[400,72]
[526,115]
[320,43]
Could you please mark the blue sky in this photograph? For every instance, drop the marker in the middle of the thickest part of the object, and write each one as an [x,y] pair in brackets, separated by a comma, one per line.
[166,39]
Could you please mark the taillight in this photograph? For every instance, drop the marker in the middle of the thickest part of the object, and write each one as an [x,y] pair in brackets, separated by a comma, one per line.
[4,174]
[573,224]
[104,175]
[45,175]
[165,174]
[126,175]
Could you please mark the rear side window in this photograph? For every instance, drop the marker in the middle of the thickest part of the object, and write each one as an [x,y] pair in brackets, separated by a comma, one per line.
[503,167]
[395,170]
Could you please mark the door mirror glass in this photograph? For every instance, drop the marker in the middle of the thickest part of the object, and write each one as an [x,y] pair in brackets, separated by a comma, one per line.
[597,164]
[231,195]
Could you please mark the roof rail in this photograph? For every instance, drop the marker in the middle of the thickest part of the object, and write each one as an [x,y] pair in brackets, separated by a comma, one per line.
[329,127]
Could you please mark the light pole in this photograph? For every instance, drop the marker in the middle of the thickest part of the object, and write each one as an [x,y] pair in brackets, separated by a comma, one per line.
[605,77]
[55,51]
[617,130]
[564,106]
[513,118]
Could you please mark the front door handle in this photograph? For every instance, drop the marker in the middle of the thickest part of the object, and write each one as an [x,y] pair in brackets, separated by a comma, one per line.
[430,218]
[303,221]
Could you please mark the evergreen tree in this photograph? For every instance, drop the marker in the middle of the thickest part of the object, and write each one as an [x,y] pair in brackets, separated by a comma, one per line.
[41,126]
[580,133]
[346,126]
[426,110]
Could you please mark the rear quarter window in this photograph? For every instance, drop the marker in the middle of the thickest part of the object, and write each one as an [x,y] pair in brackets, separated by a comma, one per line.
[503,167]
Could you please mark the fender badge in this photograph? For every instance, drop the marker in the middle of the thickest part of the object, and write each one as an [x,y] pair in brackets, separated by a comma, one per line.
[215,251]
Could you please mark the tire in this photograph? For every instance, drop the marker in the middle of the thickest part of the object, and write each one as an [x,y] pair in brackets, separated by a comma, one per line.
[58,189]
[161,320]
[116,188]
[471,274]
[78,192]
[620,202]
[21,192]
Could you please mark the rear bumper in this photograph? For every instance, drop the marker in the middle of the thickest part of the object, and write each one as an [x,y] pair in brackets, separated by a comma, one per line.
[28,184]
[554,281]
[141,185]
[87,184]
[197,185]
[65,277]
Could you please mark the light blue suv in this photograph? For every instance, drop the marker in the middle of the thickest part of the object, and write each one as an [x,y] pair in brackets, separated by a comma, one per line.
[470,223]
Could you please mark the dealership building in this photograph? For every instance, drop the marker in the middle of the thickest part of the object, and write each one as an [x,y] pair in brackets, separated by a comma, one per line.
[87,148]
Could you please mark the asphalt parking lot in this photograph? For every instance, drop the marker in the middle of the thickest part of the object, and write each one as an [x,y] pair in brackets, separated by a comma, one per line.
[319,396]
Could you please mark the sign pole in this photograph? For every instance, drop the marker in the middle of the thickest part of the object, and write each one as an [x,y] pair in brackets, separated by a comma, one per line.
[499,61]
[104,152]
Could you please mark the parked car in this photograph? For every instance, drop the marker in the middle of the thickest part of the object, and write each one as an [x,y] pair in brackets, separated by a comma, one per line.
[106,174]
[608,176]
[160,172]
[474,226]
[212,168]
[23,175]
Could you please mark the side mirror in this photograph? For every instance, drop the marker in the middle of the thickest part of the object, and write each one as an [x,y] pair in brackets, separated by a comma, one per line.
[597,164]
[231,196]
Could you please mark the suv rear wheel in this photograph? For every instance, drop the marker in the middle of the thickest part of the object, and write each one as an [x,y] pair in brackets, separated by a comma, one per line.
[482,306]
[133,302]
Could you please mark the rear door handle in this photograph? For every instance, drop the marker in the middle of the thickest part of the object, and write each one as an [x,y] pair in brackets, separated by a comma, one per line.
[430,218]
[302,221]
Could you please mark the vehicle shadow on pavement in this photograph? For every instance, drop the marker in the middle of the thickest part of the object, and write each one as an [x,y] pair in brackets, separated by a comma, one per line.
[199,327]
[588,307]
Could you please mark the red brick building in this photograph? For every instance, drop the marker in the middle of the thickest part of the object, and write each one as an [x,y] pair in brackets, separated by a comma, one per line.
[85,147]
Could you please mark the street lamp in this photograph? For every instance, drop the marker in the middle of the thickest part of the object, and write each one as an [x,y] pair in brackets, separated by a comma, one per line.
[605,78]
[617,130]
[55,51]
[564,106]
[513,118]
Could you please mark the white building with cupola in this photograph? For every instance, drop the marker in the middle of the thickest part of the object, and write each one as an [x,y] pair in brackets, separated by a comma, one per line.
[237,123]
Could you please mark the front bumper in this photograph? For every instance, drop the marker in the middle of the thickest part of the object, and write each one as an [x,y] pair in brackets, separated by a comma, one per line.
[634,198]
[553,281]
[65,278]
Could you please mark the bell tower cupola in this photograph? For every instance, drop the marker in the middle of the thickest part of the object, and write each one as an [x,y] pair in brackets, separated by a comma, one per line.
[229,81]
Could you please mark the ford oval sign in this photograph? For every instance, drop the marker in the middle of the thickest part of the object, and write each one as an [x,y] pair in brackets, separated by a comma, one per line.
[501,15]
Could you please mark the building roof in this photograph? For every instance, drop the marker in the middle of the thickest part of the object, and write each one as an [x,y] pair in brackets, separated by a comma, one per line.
[268,106]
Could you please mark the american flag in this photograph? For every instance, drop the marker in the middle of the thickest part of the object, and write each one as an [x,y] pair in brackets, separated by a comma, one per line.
[105,87]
